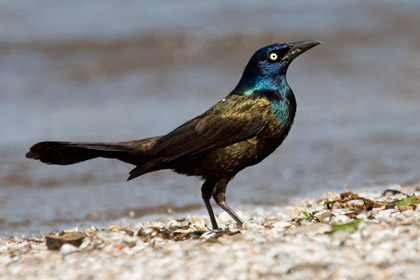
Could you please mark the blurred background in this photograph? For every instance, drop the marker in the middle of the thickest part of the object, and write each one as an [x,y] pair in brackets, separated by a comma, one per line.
[105,70]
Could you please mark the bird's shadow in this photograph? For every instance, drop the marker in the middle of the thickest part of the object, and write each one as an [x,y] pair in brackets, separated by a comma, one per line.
[182,233]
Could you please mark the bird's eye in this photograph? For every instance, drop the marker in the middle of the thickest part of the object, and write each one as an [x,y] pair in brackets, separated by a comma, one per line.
[273,56]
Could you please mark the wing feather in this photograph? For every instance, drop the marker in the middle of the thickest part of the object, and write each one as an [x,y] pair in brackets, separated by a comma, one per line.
[221,126]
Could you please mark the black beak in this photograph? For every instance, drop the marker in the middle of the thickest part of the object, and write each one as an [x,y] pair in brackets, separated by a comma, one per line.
[298,48]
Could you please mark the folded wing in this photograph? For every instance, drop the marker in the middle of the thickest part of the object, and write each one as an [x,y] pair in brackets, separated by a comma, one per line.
[201,135]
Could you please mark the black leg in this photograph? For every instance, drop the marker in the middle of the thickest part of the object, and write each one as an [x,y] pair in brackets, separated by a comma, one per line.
[220,198]
[231,213]
[206,191]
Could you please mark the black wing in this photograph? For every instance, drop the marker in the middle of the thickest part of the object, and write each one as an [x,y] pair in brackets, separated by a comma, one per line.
[214,129]
[207,133]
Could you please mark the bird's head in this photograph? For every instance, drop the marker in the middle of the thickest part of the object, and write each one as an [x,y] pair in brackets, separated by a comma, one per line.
[269,65]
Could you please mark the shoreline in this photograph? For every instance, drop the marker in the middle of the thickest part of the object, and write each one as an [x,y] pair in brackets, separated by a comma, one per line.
[365,235]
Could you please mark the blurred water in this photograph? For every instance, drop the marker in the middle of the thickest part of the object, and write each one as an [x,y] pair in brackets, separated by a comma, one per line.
[109,71]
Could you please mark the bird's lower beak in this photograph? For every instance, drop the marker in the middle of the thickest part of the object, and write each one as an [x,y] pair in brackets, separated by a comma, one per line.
[297,48]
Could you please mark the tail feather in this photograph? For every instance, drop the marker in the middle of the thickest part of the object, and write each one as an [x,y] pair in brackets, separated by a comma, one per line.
[64,153]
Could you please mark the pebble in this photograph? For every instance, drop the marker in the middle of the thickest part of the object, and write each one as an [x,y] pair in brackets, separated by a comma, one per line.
[323,216]
[340,219]
[282,225]
[385,215]
[68,249]
[332,195]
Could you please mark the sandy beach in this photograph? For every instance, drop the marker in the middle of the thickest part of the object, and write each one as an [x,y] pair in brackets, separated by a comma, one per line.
[352,235]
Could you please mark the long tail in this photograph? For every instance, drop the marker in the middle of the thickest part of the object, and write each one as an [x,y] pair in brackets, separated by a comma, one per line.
[64,153]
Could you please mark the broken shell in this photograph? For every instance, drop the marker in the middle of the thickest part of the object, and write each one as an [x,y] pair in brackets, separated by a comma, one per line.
[332,195]
[323,216]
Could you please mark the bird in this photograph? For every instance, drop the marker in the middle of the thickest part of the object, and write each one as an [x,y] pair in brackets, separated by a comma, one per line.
[237,132]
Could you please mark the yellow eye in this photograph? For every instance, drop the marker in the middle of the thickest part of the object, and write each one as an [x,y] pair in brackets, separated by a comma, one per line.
[273,56]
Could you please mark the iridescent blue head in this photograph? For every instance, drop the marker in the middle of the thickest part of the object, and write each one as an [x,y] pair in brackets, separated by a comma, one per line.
[266,70]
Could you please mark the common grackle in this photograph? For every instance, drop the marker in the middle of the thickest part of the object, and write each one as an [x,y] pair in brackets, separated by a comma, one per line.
[239,131]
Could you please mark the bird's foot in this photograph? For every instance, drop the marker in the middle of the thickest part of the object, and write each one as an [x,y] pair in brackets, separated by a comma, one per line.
[215,234]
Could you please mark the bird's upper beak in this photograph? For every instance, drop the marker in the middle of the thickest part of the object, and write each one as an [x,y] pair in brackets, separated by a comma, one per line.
[297,48]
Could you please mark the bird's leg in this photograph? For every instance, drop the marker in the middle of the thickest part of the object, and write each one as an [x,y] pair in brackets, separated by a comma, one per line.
[206,191]
[220,198]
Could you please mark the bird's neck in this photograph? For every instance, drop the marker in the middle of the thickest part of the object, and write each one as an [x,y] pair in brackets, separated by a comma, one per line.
[277,91]
[278,85]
